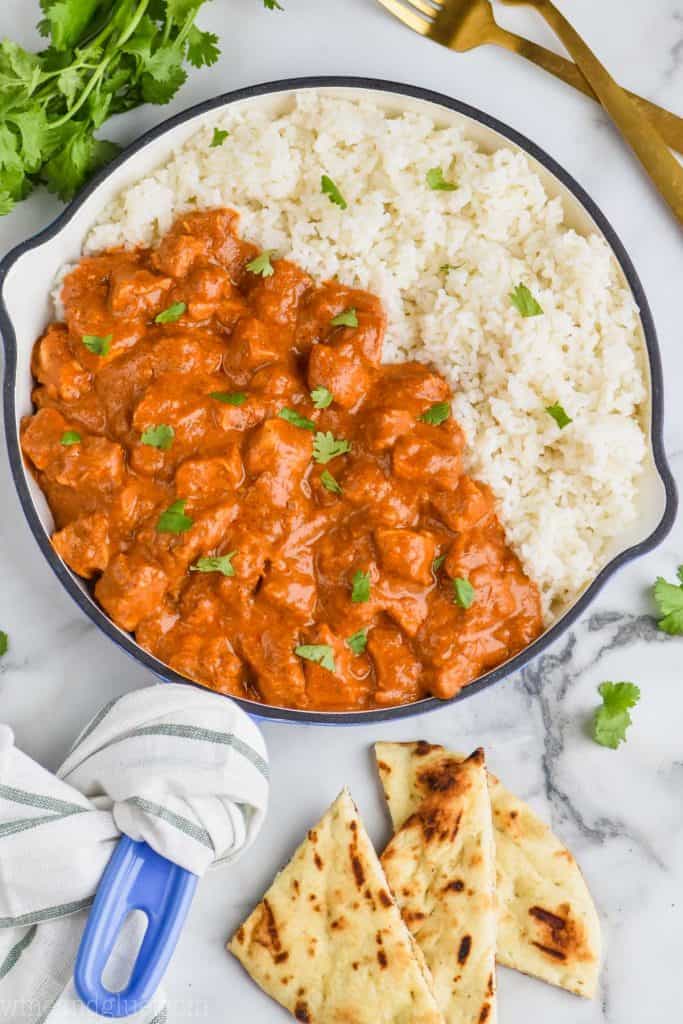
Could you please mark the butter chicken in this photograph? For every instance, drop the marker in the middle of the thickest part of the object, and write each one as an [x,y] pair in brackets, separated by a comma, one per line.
[269,509]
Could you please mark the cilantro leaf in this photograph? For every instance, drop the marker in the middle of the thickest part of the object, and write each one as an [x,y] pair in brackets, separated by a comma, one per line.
[202,48]
[216,563]
[437,182]
[66,20]
[612,718]
[321,397]
[522,299]
[6,203]
[4,643]
[162,90]
[164,64]
[70,437]
[97,345]
[329,483]
[219,137]
[293,417]
[272,5]
[160,437]
[172,314]
[559,415]
[229,397]
[326,447]
[174,520]
[360,587]
[436,413]
[321,654]
[357,642]
[69,167]
[33,135]
[463,592]
[437,563]
[347,318]
[329,189]
[669,600]
[445,268]
[261,264]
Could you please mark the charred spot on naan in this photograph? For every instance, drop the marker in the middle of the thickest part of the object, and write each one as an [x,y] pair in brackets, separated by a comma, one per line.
[266,933]
[301,1011]
[464,948]
[422,748]
[561,936]
[446,775]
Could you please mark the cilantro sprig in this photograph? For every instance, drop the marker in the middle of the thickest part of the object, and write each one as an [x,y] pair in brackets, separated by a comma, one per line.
[261,265]
[463,592]
[358,641]
[98,345]
[437,182]
[4,643]
[524,302]
[437,413]
[160,436]
[296,419]
[559,414]
[216,563]
[329,189]
[612,718]
[320,654]
[229,397]
[102,57]
[218,138]
[347,318]
[326,446]
[171,314]
[360,587]
[174,520]
[669,600]
[321,397]
[329,482]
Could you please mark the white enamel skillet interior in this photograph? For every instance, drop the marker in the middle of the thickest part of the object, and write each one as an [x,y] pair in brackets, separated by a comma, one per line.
[27,272]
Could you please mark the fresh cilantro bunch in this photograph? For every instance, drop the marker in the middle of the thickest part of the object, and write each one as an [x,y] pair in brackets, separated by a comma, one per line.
[103,57]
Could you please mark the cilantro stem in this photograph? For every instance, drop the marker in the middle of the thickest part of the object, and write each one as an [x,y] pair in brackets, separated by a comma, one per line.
[110,54]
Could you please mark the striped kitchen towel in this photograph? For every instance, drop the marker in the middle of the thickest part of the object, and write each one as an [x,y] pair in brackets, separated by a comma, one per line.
[179,767]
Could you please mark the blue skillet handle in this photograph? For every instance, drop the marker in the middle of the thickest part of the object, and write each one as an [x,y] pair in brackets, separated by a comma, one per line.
[136,878]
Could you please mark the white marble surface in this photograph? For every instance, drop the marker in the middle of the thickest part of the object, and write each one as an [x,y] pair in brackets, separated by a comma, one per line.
[621,812]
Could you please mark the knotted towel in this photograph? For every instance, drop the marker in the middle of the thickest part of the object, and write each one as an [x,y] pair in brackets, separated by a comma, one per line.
[184,769]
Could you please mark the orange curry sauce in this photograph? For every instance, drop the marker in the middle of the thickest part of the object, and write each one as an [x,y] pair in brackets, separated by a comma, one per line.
[397,515]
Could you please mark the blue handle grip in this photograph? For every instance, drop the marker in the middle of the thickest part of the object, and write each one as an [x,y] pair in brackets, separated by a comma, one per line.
[136,878]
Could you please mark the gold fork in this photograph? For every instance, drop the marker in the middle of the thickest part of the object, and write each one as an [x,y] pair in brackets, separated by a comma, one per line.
[465,24]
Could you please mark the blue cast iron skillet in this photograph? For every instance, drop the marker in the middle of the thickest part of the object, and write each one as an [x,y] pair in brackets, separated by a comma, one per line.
[88,605]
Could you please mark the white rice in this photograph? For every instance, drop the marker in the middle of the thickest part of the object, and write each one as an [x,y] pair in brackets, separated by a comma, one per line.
[563,494]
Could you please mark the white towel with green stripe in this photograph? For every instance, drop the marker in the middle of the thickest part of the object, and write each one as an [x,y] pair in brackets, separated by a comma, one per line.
[181,768]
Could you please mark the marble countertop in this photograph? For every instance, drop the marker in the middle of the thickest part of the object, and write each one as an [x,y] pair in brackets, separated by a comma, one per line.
[620,812]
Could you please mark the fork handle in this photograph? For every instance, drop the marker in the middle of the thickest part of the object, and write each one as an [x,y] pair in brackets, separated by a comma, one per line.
[669,125]
[642,137]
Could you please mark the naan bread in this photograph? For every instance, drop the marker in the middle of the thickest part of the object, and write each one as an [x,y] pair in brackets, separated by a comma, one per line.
[441,868]
[328,941]
[547,926]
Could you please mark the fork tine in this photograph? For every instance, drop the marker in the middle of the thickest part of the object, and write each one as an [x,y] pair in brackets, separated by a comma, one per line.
[408,15]
[425,6]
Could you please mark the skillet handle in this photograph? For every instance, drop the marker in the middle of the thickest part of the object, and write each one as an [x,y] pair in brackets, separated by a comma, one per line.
[136,878]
